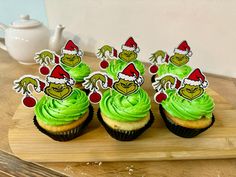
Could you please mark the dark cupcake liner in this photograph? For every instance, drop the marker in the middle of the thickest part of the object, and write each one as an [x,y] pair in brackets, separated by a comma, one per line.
[180,130]
[86,91]
[83,89]
[70,134]
[153,78]
[123,135]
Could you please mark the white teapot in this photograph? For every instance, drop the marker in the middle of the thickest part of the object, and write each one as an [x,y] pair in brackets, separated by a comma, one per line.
[25,37]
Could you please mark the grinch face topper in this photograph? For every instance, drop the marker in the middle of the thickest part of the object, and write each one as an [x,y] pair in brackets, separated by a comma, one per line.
[193,86]
[181,57]
[129,81]
[190,88]
[58,85]
[128,54]
[71,54]
[125,87]
[129,50]
[71,57]
[181,54]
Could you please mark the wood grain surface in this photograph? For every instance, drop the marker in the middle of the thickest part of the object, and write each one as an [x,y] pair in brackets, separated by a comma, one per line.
[13,166]
[157,143]
[9,101]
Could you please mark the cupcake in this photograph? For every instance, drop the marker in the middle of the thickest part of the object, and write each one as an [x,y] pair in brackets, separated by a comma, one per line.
[63,120]
[78,73]
[115,66]
[187,118]
[125,117]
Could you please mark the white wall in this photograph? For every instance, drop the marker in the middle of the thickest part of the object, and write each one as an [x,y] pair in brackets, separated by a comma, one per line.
[209,26]
[11,10]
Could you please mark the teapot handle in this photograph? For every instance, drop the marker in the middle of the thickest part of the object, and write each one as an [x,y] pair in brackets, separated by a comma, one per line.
[3,27]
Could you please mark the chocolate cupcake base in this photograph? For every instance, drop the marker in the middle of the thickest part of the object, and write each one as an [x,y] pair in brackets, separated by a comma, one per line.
[81,87]
[153,78]
[70,134]
[123,135]
[86,91]
[182,131]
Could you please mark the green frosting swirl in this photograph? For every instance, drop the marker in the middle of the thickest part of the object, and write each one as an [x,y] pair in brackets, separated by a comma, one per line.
[125,108]
[61,112]
[181,71]
[79,72]
[183,109]
[116,66]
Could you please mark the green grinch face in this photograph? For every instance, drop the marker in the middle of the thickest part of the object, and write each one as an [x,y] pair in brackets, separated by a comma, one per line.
[58,91]
[71,60]
[127,55]
[179,59]
[125,87]
[191,92]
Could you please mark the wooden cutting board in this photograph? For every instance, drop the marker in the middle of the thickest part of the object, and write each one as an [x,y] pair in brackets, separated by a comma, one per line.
[157,143]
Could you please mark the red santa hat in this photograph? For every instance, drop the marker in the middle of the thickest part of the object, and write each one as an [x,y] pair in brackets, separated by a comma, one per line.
[60,76]
[196,78]
[130,73]
[130,45]
[184,49]
[71,48]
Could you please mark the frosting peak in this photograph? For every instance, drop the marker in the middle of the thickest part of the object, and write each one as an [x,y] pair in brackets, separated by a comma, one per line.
[181,71]
[78,72]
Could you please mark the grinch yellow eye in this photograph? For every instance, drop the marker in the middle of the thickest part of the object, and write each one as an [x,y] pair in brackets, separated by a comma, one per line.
[123,85]
[188,90]
[129,85]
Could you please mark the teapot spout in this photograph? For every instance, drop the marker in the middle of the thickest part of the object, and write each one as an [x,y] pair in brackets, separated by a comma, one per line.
[3,27]
[57,40]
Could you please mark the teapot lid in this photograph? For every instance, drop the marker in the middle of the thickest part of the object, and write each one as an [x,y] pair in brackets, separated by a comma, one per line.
[25,22]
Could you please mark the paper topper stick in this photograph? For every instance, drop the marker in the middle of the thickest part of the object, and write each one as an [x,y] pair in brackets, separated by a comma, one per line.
[129,81]
[181,57]
[71,57]
[190,88]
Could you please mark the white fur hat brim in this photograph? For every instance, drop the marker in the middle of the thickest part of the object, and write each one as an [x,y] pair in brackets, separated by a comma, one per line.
[126,77]
[183,52]
[69,51]
[60,81]
[136,50]
[195,83]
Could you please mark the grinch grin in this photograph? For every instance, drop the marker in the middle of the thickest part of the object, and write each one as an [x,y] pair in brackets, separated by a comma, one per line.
[71,60]
[191,92]
[58,91]
[125,87]
[128,56]
[179,59]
